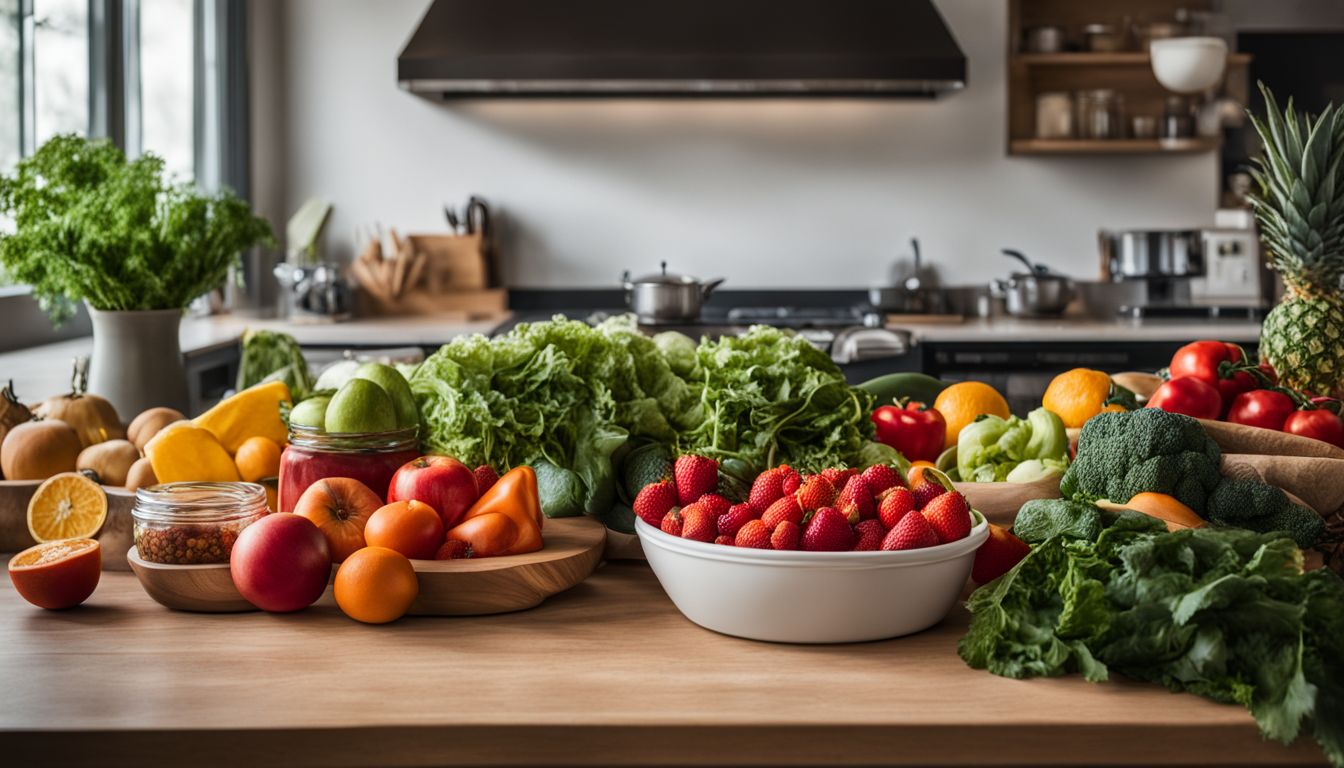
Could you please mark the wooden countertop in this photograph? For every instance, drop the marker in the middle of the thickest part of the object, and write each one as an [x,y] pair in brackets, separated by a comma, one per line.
[607,673]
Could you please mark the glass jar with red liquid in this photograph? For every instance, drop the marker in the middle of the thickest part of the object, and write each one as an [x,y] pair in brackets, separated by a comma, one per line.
[369,457]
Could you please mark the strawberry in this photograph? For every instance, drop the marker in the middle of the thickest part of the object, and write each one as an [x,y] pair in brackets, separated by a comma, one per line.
[912,532]
[672,522]
[870,534]
[753,535]
[715,503]
[816,492]
[837,476]
[453,549]
[767,488]
[997,556]
[786,508]
[828,531]
[792,481]
[786,535]
[724,539]
[731,522]
[927,491]
[698,523]
[695,476]
[654,501]
[486,476]
[894,505]
[949,515]
[856,500]
[881,478]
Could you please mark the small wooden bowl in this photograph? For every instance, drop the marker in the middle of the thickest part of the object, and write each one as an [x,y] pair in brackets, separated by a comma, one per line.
[199,588]
[572,549]
[115,536]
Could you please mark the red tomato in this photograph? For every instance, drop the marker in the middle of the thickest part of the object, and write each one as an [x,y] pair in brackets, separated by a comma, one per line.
[1318,424]
[1190,396]
[1263,408]
[916,431]
[1210,362]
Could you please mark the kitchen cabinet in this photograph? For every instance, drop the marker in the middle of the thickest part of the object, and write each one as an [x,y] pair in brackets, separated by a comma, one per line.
[608,673]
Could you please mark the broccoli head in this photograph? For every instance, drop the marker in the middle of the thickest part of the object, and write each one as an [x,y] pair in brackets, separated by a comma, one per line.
[1262,508]
[1121,454]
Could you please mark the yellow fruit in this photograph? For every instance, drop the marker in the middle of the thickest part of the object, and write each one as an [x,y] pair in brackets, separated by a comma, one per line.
[66,506]
[258,457]
[1077,395]
[961,403]
[254,411]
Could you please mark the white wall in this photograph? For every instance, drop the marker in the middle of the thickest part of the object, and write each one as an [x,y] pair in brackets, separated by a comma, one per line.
[768,194]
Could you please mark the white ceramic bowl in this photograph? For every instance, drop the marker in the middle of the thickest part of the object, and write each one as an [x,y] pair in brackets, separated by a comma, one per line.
[1189,64]
[811,597]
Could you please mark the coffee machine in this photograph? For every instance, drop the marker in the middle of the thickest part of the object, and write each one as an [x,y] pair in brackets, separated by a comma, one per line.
[1186,272]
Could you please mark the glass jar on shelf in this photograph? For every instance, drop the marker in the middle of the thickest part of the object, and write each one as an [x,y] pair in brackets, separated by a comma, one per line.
[369,457]
[1101,114]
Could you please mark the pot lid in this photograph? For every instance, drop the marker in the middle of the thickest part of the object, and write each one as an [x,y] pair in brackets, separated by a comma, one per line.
[665,278]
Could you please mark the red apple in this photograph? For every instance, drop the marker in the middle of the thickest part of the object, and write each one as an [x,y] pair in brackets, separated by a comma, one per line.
[442,482]
[281,563]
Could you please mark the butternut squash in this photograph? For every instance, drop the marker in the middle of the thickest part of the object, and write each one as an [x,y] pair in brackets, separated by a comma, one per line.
[184,452]
[253,412]
[1162,506]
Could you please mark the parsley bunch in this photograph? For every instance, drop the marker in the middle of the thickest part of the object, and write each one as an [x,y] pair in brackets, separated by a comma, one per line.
[91,225]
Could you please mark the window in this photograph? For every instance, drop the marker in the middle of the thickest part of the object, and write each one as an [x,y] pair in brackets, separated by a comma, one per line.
[11,110]
[60,63]
[166,83]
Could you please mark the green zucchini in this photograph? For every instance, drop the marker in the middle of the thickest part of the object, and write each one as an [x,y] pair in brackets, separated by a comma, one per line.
[894,386]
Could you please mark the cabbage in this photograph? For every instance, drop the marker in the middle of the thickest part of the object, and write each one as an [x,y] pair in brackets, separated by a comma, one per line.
[991,448]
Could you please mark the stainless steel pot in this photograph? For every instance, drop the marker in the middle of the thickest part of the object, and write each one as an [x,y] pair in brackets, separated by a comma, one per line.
[1037,292]
[1139,254]
[666,297]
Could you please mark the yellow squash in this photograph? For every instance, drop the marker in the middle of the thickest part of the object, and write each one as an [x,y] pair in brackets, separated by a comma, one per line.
[254,412]
[184,452]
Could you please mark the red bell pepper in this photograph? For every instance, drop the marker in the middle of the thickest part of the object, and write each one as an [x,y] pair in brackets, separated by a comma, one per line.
[912,428]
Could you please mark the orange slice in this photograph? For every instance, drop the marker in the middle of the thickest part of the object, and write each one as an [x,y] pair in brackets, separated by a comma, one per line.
[57,574]
[66,506]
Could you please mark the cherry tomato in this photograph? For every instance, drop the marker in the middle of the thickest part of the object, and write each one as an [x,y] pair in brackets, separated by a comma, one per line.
[914,430]
[1210,362]
[1318,424]
[1264,408]
[1188,395]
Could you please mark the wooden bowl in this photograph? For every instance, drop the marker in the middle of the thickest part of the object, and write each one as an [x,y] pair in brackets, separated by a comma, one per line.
[200,588]
[115,536]
[572,549]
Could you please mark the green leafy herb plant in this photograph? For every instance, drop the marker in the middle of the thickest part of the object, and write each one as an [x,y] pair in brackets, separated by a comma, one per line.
[90,225]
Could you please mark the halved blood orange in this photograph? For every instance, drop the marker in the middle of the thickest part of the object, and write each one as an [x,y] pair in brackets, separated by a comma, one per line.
[66,506]
[57,574]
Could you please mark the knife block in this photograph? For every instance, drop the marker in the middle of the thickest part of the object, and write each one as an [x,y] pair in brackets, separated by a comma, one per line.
[451,277]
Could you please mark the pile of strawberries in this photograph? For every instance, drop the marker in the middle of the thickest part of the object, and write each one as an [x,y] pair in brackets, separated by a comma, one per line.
[835,510]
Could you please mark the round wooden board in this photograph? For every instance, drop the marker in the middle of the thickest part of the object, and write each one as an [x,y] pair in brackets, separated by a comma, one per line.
[572,550]
[115,536]
[200,588]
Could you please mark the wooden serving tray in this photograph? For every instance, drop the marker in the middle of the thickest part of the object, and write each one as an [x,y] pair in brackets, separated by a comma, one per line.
[572,549]
[115,535]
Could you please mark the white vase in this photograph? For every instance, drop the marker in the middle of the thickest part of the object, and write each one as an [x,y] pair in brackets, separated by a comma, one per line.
[137,360]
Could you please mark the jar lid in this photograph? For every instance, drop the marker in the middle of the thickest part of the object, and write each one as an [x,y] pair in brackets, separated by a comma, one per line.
[198,501]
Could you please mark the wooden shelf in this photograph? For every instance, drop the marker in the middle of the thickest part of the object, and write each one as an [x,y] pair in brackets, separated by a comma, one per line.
[1111,146]
[1120,59]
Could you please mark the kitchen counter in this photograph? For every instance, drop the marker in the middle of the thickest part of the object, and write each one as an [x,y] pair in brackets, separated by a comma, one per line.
[607,673]
[1089,329]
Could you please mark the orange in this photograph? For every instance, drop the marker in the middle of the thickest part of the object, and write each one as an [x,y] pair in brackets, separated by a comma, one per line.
[257,458]
[1078,395]
[66,506]
[411,527]
[961,403]
[375,585]
[57,574]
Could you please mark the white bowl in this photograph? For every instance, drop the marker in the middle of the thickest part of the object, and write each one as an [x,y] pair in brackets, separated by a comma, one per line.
[811,597]
[1189,64]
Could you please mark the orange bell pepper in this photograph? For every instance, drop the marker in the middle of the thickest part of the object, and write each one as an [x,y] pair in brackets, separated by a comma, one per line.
[506,520]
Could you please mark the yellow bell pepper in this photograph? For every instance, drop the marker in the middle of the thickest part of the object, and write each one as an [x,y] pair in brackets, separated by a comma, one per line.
[252,412]
[184,452]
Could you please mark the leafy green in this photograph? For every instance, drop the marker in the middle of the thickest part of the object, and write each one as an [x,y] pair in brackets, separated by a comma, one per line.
[1039,519]
[771,397]
[89,225]
[991,448]
[271,355]
[1227,614]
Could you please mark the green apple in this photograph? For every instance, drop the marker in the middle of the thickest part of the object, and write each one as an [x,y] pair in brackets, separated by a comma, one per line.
[394,384]
[361,406]
[311,412]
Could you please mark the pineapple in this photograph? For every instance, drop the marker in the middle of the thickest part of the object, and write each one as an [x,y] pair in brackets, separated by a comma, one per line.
[1300,208]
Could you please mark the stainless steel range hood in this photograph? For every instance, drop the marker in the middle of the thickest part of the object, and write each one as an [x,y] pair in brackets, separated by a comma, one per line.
[503,48]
